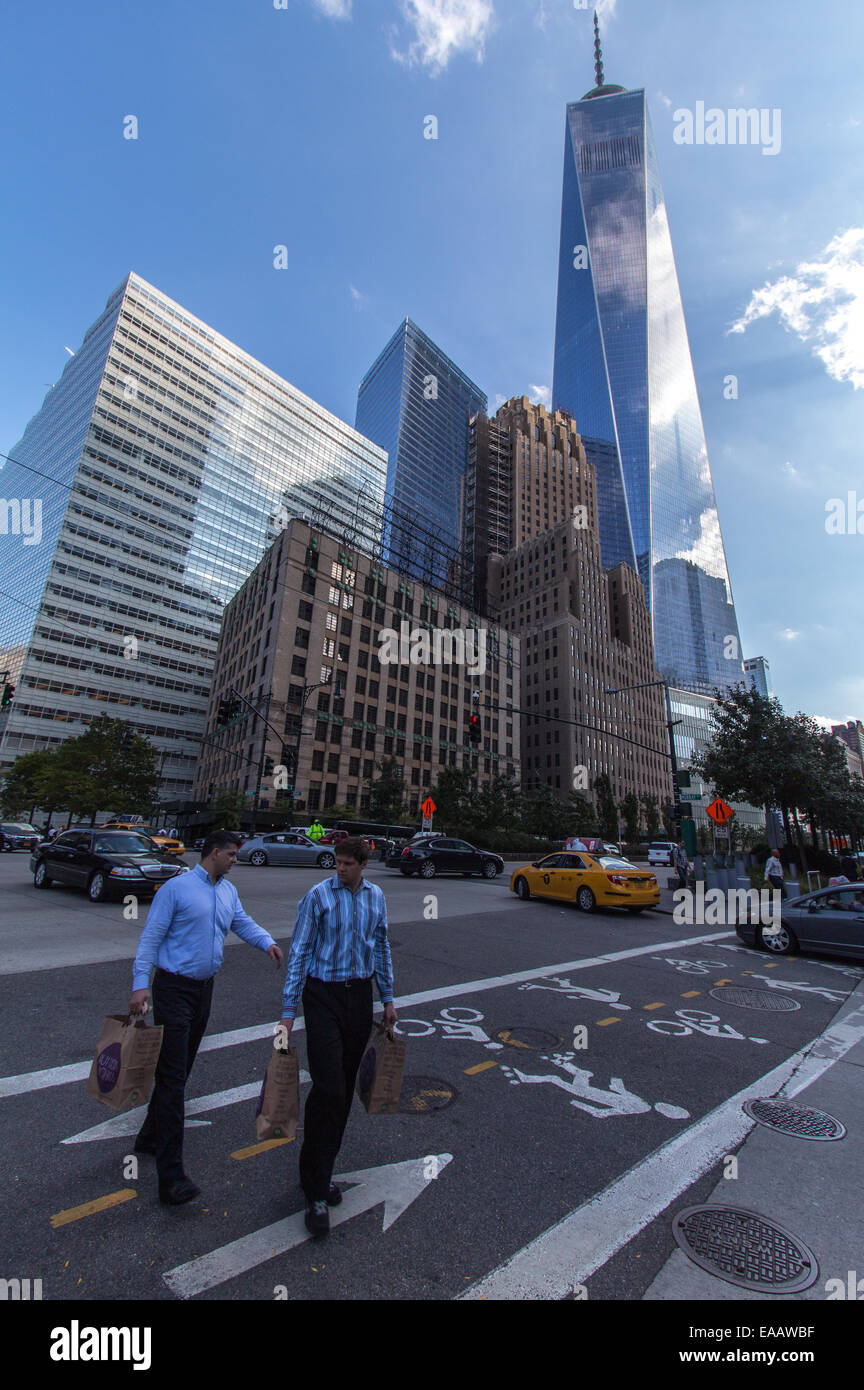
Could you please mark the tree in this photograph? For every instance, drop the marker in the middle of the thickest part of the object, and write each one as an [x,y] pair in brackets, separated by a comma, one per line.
[607,811]
[652,816]
[455,797]
[107,767]
[387,793]
[545,813]
[27,784]
[630,811]
[227,809]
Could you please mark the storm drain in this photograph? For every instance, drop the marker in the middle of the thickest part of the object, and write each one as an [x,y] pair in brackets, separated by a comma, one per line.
[767,999]
[742,1248]
[422,1094]
[527,1037]
[802,1121]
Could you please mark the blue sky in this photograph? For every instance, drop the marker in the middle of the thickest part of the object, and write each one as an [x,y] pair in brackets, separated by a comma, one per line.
[303,126]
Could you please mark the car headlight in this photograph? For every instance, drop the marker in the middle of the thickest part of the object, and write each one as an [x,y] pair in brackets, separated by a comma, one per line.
[125,873]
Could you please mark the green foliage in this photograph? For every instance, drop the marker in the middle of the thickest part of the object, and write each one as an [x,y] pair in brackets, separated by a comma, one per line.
[227,809]
[93,772]
[26,784]
[607,811]
[630,813]
[652,816]
[386,793]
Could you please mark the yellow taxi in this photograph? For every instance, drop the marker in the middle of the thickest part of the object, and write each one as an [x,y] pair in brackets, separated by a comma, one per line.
[588,880]
[165,842]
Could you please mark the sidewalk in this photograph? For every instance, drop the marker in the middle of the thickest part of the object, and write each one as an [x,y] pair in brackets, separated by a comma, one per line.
[810,1188]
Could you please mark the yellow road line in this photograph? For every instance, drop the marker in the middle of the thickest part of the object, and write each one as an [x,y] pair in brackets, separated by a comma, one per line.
[481,1066]
[771,965]
[722,982]
[261,1148]
[111,1199]
[604,1022]
[690,993]
[513,1042]
[654,1006]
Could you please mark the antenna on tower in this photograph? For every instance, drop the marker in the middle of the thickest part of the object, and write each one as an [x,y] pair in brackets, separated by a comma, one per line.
[598,55]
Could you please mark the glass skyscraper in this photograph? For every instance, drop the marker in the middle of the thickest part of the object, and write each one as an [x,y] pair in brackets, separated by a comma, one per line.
[623,370]
[165,461]
[415,403]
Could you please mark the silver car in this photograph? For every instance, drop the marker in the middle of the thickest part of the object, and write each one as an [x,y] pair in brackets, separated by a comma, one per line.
[285,847]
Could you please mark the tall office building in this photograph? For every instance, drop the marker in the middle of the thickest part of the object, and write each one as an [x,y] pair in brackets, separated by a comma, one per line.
[165,461]
[758,675]
[623,370]
[415,403]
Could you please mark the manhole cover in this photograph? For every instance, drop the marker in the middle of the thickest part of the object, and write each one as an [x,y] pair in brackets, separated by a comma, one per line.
[744,1249]
[800,1120]
[529,1038]
[755,999]
[422,1094]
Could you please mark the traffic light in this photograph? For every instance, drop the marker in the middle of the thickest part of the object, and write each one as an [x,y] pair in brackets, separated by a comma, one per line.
[269,767]
[234,710]
[222,715]
[8,696]
[474,734]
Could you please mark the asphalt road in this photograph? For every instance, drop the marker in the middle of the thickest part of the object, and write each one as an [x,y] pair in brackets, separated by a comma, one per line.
[550,1053]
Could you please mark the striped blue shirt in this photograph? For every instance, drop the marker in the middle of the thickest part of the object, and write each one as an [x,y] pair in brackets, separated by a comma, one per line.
[186,927]
[339,935]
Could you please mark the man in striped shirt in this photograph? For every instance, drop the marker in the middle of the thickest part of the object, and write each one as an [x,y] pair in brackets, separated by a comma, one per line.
[339,943]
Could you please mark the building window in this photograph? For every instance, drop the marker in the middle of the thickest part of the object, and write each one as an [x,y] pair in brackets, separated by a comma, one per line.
[298,666]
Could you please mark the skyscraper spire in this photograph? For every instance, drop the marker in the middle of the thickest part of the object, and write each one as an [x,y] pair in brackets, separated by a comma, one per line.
[598,55]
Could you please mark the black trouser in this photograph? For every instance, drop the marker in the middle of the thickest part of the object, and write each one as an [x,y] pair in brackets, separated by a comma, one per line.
[182,1006]
[338,1023]
[777,883]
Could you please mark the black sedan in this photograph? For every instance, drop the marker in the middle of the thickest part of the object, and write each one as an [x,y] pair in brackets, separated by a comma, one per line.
[18,835]
[431,855]
[830,922]
[107,863]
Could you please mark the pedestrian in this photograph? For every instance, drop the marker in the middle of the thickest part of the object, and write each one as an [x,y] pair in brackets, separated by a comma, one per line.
[849,868]
[339,943]
[316,830]
[682,864]
[183,939]
[774,871]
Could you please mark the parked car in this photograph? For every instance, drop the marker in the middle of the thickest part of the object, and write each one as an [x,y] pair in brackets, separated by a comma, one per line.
[588,880]
[830,922]
[108,863]
[167,843]
[18,835]
[332,837]
[285,847]
[428,855]
[661,852]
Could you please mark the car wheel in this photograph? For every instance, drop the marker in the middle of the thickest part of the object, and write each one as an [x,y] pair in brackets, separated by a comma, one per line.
[522,889]
[326,861]
[258,858]
[97,888]
[41,878]
[585,900]
[780,943]
[427,869]
[489,869]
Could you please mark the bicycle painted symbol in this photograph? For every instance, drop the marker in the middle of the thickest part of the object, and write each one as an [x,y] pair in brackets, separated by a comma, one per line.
[467,1027]
[689,1021]
[556,985]
[691,967]
[594,1100]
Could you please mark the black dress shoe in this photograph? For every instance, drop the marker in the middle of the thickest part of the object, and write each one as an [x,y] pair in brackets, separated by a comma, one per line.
[334,1196]
[317,1218]
[175,1194]
[144,1146]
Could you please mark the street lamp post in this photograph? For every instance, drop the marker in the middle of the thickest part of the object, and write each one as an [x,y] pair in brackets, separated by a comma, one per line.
[307,691]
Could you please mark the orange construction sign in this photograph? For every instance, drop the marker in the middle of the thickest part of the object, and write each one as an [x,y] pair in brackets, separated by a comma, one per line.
[429,808]
[719,811]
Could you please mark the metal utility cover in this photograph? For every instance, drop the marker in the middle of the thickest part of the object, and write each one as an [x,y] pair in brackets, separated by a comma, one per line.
[802,1121]
[423,1094]
[742,1248]
[765,999]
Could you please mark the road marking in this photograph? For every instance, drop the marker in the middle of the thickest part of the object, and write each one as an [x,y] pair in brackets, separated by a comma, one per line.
[604,1022]
[481,1066]
[397,1185]
[772,966]
[131,1120]
[261,1148]
[79,1071]
[574,1249]
[654,1006]
[690,993]
[111,1199]
[722,982]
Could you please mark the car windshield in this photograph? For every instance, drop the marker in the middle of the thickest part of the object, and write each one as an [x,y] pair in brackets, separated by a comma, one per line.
[122,842]
[11,829]
[608,861]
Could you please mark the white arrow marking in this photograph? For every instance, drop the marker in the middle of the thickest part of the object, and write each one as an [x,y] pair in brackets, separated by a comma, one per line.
[397,1185]
[131,1120]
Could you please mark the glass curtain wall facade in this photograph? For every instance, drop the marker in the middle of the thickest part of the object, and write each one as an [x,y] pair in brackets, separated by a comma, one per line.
[174,460]
[623,370]
[415,403]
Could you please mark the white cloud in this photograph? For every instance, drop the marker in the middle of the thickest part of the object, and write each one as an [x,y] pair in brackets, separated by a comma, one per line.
[443,28]
[360,300]
[334,9]
[667,101]
[499,400]
[543,394]
[791,471]
[823,303]
[789,634]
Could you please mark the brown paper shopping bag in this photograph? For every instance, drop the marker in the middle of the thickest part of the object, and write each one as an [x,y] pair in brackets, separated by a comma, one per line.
[279,1102]
[125,1062]
[379,1079]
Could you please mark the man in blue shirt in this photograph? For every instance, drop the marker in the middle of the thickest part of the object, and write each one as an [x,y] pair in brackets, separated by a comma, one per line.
[183,939]
[339,943]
